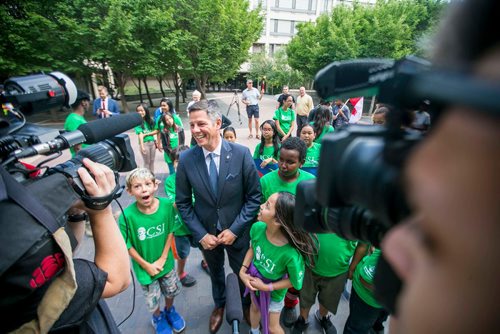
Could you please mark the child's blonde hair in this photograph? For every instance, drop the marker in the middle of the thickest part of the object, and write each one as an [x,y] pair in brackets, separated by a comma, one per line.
[138,173]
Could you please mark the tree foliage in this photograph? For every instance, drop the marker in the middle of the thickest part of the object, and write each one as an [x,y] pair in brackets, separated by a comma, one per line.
[204,40]
[389,29]
[276,71]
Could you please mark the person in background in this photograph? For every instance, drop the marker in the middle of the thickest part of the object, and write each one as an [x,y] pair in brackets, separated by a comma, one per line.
[303,107]
[284,117]
[229,134]
[379,115]
[77,117]
[281,98]
[105,106]
[146,133]
[195,98]
[422,121]
[341,114]
[251,97]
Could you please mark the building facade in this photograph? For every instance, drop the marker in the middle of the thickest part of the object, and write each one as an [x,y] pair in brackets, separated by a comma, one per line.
[282,17]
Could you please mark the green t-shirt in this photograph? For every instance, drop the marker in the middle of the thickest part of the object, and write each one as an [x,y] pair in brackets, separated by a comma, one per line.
[366,270]
[272,183]
[147,129]
[170,195]
[326,129]
[312,156]
[148,235]
[273,262]
[174,137]
[267,152]
[72,122]
[334,255]
[285,118]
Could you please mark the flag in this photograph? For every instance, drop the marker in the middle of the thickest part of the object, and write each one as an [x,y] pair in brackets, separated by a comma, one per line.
[357,109]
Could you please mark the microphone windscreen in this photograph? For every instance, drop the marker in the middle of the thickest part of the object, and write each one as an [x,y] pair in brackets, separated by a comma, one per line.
[100,129]
[234,309]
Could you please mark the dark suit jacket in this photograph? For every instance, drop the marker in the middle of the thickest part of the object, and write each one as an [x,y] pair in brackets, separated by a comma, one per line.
[112,106]
[238,198]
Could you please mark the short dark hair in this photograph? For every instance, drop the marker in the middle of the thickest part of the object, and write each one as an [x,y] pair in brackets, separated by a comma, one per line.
[81,96]
[295,143]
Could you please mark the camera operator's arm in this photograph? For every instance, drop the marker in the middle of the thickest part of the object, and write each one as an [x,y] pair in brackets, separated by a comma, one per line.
[359,253]
[110,251]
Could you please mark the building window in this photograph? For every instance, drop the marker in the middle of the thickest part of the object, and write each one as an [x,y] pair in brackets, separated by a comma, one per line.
[299,5]
[282,27]
[273,48]
[257,48]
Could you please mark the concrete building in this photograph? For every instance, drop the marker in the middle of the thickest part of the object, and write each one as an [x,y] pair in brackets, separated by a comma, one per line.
[282,17]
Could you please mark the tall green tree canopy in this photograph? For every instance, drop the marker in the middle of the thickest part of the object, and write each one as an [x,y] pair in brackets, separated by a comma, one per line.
[389,29]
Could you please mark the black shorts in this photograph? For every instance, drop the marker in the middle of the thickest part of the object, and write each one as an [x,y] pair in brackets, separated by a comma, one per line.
[253,110]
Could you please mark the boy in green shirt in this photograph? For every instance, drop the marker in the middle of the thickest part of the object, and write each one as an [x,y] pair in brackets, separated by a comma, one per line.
[147,227]
[75,119]
[327,279]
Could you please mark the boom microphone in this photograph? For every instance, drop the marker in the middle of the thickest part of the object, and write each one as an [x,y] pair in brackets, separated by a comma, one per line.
[89,133]
[234,309]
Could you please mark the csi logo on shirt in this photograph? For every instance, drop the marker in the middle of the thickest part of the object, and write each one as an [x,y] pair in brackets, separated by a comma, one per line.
[151,232]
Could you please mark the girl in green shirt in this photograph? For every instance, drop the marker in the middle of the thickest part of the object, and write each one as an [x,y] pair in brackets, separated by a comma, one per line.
[275,261]
[322,123]
[285,118]
[146,132]
[168,138]
[267,151]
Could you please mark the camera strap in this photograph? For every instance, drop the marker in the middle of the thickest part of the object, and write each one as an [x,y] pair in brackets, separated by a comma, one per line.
[63,287]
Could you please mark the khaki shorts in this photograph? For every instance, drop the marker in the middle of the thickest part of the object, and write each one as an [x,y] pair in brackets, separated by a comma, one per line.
[328,289]
[169,286]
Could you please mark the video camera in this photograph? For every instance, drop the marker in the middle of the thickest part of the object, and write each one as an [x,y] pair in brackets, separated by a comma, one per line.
[359,193]
[42,92]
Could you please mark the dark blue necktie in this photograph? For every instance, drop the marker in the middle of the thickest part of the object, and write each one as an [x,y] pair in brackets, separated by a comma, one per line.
[212,171]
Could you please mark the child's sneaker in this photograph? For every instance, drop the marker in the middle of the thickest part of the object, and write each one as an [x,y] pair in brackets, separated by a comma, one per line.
[299,326]
[174,319]
[326,323]
[161,325]
[289,316]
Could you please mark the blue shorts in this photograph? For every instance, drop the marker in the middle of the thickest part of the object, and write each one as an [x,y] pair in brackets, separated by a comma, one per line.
[183,245]
[253,110]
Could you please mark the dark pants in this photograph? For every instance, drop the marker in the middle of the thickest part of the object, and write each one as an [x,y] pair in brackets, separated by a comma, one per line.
[215,260]
[301,121]
[362,317]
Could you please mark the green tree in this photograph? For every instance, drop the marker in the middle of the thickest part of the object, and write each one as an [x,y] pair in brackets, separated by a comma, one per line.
[217,35]
[390,29]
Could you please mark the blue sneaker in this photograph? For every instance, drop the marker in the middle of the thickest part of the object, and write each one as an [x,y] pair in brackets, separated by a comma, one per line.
[161,325]
[174,319]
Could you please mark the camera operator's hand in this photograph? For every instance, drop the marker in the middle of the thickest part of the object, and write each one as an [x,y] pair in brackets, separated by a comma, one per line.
[103,182]
[111,253]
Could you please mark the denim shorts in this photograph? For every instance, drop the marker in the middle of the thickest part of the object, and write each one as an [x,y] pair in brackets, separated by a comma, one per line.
[183,245]
[276,307]
[253,110]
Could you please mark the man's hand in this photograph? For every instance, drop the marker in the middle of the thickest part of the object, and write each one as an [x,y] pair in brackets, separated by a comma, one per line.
[209,242]
[226,237]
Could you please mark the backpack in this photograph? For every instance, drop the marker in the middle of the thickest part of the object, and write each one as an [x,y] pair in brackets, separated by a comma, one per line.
[37,277]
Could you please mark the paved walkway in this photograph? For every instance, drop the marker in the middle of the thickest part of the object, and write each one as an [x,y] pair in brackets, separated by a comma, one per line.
[195,303]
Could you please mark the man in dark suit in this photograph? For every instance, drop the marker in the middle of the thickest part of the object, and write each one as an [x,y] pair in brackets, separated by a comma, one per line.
[226,188]
[105,106]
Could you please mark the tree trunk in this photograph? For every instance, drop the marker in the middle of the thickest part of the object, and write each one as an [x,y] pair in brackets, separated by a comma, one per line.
[121,80]
[177,90]
[184,92]
[139,86]
[160,81]
[147,91]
